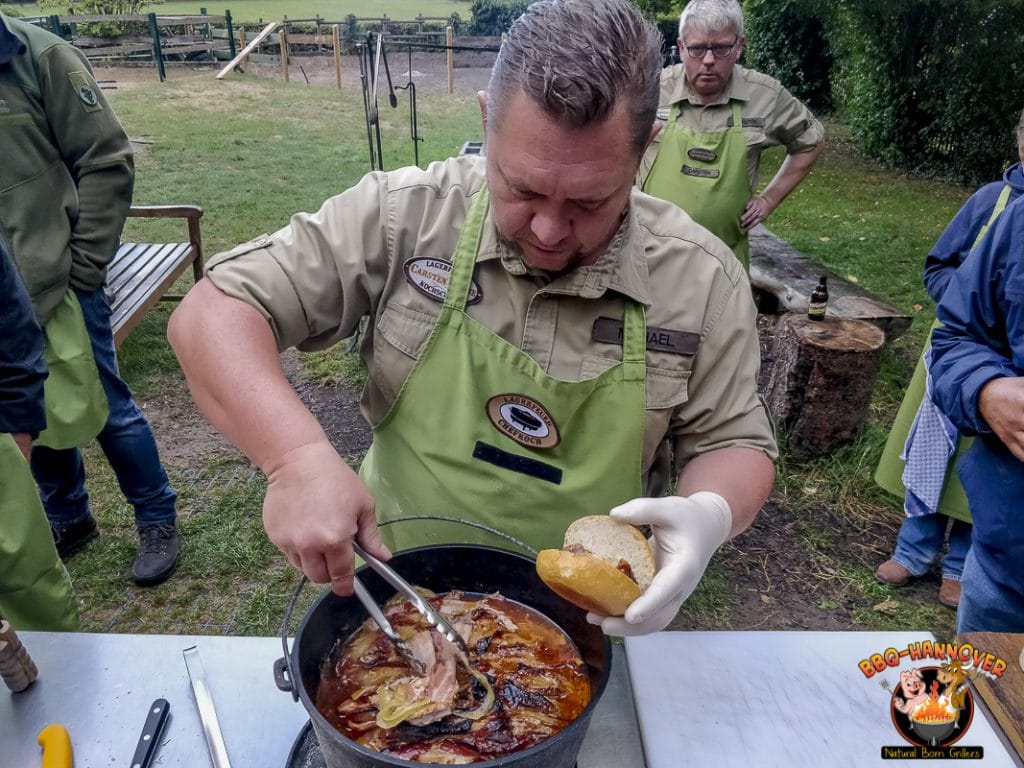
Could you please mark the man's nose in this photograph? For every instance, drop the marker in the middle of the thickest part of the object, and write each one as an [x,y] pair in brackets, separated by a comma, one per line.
[550,224]
[709,58]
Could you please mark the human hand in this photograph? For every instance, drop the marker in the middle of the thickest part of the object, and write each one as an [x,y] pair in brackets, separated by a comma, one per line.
[687,532]
[24,442]
[314,507]
[758,209]
[1001,404]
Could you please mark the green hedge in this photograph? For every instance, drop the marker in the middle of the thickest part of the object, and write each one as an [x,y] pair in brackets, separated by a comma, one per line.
[932,86]
[494,17]
[787,40]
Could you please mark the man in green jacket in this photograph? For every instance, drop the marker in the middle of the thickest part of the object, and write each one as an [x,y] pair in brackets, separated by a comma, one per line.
[66,184]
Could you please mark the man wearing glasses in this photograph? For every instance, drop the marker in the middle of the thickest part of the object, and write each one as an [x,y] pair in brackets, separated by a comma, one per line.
[719,117]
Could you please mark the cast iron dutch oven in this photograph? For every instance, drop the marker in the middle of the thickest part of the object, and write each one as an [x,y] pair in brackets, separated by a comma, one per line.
[441,568]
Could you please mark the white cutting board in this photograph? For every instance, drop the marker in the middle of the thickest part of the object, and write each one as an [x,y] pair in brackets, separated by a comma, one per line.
[784,699]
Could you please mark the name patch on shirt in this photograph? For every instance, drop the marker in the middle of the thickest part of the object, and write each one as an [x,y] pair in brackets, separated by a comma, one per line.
[609,331]
[702,154]
[431,276]
[703,173]
[524,420]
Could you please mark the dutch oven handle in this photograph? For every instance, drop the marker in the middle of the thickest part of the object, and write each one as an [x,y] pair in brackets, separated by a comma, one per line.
[284,675]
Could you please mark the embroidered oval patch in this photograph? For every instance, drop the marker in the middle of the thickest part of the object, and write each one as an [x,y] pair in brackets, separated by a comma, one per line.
[524,420]
[702,154]
[430,277]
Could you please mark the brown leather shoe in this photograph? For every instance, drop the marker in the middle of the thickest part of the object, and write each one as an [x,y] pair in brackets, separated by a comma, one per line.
[892,573]
[949,593]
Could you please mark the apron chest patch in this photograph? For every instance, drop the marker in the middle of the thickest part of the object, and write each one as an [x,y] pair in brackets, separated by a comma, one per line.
[524,420]
[431,277]
[703,173]
[702,154]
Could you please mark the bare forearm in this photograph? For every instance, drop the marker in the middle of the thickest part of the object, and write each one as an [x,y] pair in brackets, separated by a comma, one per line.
[228,354]
[792,171]
[742,476]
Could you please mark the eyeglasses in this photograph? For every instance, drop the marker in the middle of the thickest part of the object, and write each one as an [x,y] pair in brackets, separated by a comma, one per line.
[718,51]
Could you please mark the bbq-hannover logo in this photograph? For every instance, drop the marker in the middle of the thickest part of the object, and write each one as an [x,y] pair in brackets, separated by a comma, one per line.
[932,706]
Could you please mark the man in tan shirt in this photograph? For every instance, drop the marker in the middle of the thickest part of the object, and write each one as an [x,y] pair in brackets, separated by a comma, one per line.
[537,328]
[716,118]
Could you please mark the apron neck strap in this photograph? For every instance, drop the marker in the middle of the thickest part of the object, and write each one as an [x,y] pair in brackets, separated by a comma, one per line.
[464,258]
[634,324]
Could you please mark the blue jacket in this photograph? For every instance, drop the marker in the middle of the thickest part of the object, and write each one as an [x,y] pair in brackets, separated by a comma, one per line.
[956,241]
[982,338]
[22,369]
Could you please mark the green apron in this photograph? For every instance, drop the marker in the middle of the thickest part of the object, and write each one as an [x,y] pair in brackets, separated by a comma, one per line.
[480,432]
[76,406]
[889,474]
[35,589]
[705,174]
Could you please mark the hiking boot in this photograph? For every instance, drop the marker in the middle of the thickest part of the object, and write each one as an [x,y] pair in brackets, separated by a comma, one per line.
[949,593]
[892,573]
[71,538]
[158,554]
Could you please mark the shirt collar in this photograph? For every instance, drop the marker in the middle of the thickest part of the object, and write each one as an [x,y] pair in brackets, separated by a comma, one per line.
[10,44]
[621,268]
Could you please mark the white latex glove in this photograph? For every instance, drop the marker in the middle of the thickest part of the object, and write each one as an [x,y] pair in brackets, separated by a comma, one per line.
[687,532]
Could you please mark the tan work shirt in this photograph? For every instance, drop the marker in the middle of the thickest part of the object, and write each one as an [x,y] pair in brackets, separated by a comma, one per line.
[772,116]
[381,247]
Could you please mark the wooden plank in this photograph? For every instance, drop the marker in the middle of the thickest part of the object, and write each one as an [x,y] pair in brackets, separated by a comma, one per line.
[1003,697]
[780,271]
[248,49]
[139,283]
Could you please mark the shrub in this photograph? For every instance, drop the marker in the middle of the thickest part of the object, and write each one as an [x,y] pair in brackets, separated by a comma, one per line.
[493,17]
[787,40]
[934,86]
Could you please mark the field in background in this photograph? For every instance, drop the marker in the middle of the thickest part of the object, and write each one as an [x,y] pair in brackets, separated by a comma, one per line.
[275,10]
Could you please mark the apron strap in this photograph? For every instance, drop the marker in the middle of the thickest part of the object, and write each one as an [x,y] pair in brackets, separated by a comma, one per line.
[464,258]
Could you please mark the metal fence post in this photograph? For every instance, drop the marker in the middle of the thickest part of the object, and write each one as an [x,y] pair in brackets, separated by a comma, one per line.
[231,35]
[158,52]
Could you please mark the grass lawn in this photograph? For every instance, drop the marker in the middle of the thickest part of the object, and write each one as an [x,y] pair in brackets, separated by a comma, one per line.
[252,151]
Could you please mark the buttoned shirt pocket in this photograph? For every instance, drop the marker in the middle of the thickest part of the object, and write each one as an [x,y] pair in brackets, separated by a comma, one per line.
[401,333]
[666,387]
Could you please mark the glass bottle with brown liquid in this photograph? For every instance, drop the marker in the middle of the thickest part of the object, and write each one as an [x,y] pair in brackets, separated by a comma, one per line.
[819,300]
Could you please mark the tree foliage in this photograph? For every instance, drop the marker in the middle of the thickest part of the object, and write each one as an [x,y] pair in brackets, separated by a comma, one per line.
[787,40]
[935,86]
[494,17]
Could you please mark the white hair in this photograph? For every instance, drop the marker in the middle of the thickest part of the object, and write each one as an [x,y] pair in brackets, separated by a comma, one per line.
[712,16]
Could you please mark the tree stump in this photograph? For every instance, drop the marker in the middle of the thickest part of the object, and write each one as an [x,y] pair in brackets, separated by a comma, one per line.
[822,377]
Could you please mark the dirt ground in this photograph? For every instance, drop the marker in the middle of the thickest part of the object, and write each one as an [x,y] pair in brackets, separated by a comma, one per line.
[789,571]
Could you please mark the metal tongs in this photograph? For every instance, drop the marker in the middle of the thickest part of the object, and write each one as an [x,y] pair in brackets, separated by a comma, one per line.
[433,617]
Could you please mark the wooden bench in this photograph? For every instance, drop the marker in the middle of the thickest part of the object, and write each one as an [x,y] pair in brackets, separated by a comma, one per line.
[782,279]
[140,274]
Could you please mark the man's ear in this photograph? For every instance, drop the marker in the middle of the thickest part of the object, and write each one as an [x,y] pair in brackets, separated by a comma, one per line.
[481,98]
[655,130]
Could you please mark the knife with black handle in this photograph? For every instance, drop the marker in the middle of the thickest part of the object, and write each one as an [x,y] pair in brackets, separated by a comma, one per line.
[150,737]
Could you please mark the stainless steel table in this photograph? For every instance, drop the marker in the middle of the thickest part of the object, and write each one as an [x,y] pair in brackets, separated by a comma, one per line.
[100,686]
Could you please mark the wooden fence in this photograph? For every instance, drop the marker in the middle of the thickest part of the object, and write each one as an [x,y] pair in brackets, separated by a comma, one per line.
[161,39]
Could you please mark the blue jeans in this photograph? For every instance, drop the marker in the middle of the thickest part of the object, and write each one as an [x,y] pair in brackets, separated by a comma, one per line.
[984,605]
[126,439]
[919,544]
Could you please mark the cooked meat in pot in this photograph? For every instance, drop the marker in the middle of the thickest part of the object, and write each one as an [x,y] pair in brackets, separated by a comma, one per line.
[524,682]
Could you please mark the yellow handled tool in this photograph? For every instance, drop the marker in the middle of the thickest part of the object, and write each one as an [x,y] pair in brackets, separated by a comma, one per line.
[56,744]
